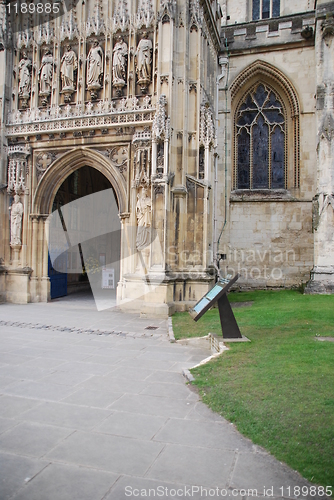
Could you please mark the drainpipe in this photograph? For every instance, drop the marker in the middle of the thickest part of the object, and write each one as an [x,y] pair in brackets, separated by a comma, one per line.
[223,60]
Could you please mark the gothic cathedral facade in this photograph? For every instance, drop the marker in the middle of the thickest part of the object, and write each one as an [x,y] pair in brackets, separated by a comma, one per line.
[210,123]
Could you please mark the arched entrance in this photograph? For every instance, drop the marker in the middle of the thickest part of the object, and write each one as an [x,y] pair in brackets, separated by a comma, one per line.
[80,190]
[71,271]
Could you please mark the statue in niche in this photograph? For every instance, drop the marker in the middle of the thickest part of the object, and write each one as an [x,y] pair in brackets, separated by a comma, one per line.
[143,213]
[143,62]
[24,79]
[45,76]
[16,221]
[68,68]
[94,69]
[119,65]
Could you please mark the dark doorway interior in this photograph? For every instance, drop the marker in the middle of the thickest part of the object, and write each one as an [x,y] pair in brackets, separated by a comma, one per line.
[71,275]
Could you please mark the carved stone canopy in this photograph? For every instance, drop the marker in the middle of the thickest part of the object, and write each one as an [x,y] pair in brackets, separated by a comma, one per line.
[327,28]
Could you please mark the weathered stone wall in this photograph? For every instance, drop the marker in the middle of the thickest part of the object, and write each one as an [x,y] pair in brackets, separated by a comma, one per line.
[267,236]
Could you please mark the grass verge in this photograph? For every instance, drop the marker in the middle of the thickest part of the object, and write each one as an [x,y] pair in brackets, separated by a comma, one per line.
[278,389]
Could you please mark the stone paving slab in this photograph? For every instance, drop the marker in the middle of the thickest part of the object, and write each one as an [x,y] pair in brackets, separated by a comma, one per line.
[93,406]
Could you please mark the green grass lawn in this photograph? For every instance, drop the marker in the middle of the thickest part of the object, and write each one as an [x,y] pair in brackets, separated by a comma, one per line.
[277,389]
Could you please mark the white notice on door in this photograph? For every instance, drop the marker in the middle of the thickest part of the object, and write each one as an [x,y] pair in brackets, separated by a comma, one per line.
[108,278]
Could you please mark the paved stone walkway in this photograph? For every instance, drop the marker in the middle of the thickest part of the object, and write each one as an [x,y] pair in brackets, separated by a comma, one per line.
[94,406]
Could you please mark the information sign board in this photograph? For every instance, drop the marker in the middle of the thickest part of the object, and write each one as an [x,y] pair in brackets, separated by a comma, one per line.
[228,322]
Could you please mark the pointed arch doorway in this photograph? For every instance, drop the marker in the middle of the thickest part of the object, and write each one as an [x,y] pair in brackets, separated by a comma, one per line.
[74,267]
[78,176]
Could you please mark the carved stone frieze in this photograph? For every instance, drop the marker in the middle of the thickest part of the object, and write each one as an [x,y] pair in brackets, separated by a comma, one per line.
[89,116]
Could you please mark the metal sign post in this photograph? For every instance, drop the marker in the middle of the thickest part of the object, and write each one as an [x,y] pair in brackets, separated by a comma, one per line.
[230,329]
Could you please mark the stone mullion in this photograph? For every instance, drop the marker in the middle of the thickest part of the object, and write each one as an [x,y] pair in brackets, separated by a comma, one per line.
[251,158]
[25,228]
[269,156]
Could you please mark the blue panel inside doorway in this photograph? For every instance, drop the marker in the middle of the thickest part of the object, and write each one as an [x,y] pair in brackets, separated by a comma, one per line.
[58,280]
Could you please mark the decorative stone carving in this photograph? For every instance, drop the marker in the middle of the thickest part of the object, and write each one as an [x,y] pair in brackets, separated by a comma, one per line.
[195,15]
[161,124]
[144,215]
[68,69]
[45,33]
[17,168]
[207,129]
[167,10]
[121,19]
[16,213]
[143,62]
[145,14]
[94,69]
[95,23]
[119,65]
[142,158]
[45,75]
[43,162]
[119,157]
[24,79]
[327,28]
[69,27]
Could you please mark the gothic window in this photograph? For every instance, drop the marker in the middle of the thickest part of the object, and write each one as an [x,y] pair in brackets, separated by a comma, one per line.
[260,135]
[264,9]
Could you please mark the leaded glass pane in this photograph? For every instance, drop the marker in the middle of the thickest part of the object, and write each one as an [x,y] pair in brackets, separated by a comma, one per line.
[277,159]
[260,154]
[273,116]
[276,8]
[260,119]
[260,95]
[243,160]
[256,10]
[265,9]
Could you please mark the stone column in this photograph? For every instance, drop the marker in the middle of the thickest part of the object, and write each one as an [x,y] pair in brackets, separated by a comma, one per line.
[322,274]
[45,282]
[34,277]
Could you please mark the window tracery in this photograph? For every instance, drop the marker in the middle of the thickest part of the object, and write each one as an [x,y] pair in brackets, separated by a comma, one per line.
[261,145]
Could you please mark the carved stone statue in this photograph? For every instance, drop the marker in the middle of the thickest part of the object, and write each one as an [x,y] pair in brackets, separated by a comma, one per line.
[143,61]
[24,79]
[45,76]
[16,221]
[143,213]
[94,69]
[119,64]
[68,67]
